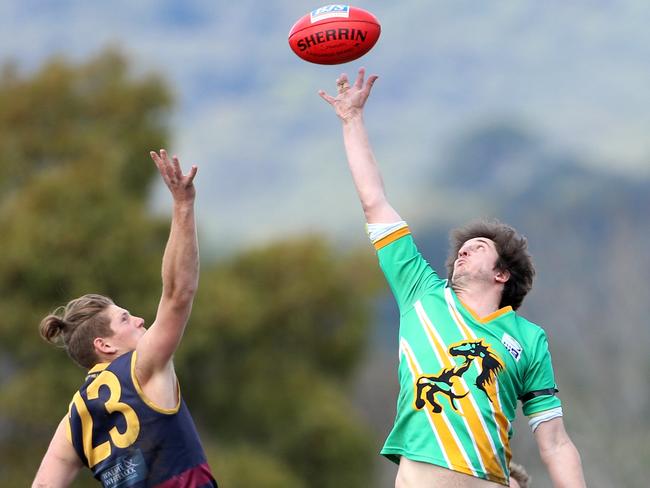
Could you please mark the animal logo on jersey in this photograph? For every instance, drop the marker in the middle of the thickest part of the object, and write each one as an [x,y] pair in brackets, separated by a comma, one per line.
[448,381]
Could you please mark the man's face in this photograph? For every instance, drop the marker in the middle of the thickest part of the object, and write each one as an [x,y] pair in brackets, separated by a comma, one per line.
[476,259]
[127,329]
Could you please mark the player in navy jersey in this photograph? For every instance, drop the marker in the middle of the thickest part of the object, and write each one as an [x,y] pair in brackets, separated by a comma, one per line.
[128,422]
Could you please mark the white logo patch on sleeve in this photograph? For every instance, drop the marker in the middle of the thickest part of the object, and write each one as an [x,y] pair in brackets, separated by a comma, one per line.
[513,347]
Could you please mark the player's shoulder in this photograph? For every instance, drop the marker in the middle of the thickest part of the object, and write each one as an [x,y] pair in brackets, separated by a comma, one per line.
[527,338]
[528,329]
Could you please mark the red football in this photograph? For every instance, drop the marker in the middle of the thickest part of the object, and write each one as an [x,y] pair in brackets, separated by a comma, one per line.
[334,34]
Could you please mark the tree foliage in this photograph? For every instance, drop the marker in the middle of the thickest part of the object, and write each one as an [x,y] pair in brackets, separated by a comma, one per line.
[73,186]
[275,334]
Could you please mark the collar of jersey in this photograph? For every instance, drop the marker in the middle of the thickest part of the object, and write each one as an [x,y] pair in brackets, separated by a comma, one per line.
[487,318]
[483,320]
[98,367]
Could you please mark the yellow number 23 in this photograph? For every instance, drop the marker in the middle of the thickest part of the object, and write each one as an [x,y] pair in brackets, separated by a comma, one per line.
[96,454]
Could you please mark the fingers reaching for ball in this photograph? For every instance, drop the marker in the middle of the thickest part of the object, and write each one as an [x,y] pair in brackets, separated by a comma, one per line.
[350,97]
[342,83]
[180,185]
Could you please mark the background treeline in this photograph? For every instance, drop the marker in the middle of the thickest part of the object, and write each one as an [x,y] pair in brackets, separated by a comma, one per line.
[276,333]
[288,364]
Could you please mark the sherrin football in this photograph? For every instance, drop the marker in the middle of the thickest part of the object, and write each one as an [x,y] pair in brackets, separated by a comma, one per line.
[334,34]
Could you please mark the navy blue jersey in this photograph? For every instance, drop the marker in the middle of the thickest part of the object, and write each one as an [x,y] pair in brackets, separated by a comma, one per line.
[129,442]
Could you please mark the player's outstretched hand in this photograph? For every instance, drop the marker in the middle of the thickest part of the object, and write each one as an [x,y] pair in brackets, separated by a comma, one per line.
[181,186]
[350,100]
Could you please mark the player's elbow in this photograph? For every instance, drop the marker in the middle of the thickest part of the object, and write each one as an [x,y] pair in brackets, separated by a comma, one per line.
[43,483]
[374,205]
[559,448]
[181,296]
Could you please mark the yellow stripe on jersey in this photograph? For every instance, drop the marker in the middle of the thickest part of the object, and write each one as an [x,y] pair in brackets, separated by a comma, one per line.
[470,411]
[449,443]
[384,241]
[499,417]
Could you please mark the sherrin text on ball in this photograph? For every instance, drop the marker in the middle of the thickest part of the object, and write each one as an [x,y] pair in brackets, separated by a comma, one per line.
[334,34]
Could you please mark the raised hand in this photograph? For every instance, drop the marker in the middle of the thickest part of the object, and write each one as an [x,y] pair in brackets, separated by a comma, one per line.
[350,100]
[181,186]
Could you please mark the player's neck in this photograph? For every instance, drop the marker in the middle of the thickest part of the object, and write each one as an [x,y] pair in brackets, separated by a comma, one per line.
[482,300]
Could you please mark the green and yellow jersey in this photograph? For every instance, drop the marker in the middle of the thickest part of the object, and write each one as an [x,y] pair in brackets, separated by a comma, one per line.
[460,375]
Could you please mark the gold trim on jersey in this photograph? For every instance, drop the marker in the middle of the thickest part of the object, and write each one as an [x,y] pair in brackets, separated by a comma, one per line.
[487,318]
[145,399]
[97,368]
[392,237]
[499,417]
[469,410]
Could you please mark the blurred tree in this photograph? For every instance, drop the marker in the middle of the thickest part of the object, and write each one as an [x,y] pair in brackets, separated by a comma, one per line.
[275,335]
[73,187]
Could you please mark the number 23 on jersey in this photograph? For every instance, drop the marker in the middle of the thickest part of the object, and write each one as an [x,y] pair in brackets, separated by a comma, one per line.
[97,453]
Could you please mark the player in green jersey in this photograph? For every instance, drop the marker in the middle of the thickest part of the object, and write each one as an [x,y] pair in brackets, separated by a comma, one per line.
[466,356]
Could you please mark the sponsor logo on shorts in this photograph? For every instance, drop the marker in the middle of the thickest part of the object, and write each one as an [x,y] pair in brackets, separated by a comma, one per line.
[511,344]
[329,11]
[127,471]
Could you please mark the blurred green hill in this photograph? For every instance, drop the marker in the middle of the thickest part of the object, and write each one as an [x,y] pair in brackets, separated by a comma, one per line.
[269,147]
[575,74]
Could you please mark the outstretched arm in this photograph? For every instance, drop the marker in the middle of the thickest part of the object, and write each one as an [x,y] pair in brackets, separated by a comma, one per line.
[180,275]
[559,454]
[348,104]
[60,464]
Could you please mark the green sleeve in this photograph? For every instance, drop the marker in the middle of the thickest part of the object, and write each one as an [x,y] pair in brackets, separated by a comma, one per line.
[539,380]
[407,272]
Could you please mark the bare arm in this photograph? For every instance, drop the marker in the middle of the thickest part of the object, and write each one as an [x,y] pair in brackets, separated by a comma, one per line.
[180,275]
[559,454]
[348,105]
[60,464]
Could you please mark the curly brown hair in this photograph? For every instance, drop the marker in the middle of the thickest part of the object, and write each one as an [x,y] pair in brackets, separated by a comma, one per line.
[512,249]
